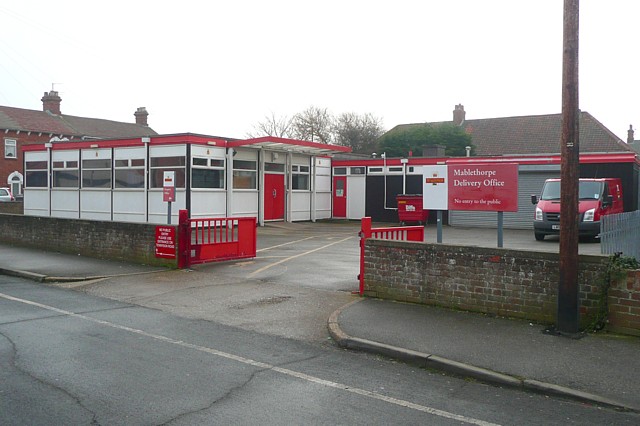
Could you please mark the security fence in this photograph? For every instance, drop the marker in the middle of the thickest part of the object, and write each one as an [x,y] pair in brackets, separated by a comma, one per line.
[620,233]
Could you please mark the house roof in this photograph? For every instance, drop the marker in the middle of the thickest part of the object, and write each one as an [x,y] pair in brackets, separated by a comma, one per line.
[68,125]
[535,134]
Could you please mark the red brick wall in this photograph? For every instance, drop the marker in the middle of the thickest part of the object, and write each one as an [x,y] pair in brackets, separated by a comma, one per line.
[14,207]
[512,283]
[10,165]
[131,242]
[624,304]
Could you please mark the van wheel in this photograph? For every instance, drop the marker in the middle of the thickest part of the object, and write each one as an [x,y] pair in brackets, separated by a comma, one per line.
[539,236]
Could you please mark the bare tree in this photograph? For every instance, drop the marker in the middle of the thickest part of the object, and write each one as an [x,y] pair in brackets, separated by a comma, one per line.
[313,124]
[359,132]
[272,126]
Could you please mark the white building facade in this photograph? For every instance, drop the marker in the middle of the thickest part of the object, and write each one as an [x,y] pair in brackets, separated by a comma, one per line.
[272,179]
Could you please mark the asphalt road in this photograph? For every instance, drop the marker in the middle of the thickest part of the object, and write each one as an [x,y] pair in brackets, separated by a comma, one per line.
[67,357]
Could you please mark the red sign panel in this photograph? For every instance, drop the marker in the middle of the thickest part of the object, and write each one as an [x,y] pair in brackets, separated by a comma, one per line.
[168,194]
[486,187]
[166,242]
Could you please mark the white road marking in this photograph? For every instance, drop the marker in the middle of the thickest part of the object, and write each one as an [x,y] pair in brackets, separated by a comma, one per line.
[284,244]
[271,265]
[263,365]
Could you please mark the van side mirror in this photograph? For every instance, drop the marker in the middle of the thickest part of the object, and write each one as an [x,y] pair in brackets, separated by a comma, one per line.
[534,199]
[608,201]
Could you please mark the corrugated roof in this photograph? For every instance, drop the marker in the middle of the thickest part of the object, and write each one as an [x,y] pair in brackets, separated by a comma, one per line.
[535,134]
[45,122]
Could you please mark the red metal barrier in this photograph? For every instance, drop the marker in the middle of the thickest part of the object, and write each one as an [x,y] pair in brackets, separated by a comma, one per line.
[215,239]
[399,233]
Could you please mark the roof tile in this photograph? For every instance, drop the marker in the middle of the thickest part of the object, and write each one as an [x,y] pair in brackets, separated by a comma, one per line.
[45,122]
[539,134]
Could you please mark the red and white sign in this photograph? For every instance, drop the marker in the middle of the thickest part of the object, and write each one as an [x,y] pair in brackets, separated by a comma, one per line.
[169,187]
[166,242]
[476,187]
[435,188]
[168,194]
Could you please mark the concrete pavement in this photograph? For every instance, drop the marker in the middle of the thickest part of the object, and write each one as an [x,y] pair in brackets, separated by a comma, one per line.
[602,369]
[47,266]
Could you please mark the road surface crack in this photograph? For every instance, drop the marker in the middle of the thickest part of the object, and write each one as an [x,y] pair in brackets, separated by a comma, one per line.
[223,397]
[13,362]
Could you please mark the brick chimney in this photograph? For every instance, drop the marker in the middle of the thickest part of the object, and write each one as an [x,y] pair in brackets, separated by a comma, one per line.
[141,116]
[630,134]
[51,102]
[458,115]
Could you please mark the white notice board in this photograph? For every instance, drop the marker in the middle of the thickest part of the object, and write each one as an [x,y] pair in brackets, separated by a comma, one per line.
[435,192]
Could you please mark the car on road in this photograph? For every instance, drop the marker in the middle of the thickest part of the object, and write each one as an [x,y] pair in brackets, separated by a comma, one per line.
[6,195]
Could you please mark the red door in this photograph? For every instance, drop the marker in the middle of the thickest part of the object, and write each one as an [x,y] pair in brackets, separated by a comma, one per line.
[273,197]
[340,196]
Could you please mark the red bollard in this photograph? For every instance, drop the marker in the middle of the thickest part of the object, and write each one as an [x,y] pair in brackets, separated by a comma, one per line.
[184,239]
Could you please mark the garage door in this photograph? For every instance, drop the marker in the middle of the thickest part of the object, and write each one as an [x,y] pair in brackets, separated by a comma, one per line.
[530,181]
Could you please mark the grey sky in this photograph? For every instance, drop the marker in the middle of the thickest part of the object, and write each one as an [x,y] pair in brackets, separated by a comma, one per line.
[218,67]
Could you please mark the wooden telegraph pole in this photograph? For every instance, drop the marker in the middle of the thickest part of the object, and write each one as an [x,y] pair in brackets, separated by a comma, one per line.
[568,310]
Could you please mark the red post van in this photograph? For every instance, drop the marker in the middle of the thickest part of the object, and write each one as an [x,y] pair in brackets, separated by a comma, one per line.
[597,197]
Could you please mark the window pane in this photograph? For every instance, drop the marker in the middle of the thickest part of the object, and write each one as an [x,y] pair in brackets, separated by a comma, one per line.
[199,161]
[217,163]
[36,179]
[137,162]
[167,161]
[58,164]
[207,178]
[244,165]
[272,167]
[300,181]
[244,180]
[357,170]
[133,178]
[36,165]
[65,179]
[304,169]
[72,164]
[340,171]
[96,164]
[121,163]
[10,150]
[96,178]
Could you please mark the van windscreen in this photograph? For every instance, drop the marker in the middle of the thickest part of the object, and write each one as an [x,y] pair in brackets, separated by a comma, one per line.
[551,190]
[588,190]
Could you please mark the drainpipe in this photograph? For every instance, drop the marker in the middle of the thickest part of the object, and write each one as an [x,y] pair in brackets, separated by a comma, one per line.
[146,141]
[229,181]
[49,145]
[287,191]
[261,161]
[404,162]
[313,188]
[384,171]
